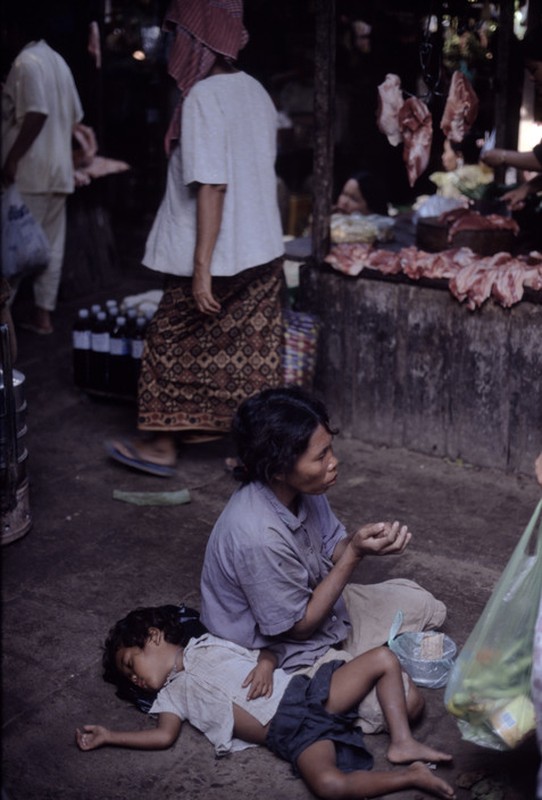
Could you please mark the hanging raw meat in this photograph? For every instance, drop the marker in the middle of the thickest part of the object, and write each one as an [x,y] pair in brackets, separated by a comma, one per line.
[461,108]
[390,100]
[416,127]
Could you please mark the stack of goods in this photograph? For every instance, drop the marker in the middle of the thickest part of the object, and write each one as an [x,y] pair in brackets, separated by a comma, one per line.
[107,347]
[358,227]
[300,342]
[471,277]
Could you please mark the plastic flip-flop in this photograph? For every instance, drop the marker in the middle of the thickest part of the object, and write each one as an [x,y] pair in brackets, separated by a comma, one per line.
[136,462]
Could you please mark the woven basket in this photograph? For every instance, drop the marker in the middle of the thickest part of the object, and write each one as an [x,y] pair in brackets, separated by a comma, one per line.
[300,344]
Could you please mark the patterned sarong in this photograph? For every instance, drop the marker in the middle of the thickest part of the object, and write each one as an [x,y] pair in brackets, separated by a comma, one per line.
[195,368]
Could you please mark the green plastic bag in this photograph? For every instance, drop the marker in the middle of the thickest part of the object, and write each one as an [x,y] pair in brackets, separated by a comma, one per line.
[489,686]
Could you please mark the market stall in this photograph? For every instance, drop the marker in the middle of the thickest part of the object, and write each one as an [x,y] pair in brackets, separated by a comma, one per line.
[436,352]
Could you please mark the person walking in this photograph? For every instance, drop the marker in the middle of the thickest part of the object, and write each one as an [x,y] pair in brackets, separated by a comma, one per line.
[217,237]
[40,106]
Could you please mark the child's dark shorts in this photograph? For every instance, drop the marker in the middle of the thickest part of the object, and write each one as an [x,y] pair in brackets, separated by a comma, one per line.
[301,720]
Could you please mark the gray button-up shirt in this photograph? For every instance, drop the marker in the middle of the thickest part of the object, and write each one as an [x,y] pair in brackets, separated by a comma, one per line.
[261,566]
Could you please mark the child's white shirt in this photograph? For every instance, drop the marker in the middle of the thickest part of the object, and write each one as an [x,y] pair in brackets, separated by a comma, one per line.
[204,691]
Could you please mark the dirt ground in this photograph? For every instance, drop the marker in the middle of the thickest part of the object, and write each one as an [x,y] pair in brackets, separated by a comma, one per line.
[89,558]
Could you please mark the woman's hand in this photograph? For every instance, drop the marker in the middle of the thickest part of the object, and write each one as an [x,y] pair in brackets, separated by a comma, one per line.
[203,295]
[381,539]
[515,198]
[91,737]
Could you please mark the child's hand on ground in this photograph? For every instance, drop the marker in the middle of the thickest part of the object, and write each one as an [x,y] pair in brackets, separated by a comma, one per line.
[91,737]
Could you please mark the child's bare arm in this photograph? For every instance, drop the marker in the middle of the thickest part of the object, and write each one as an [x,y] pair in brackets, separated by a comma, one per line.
[260,679]
[90,737]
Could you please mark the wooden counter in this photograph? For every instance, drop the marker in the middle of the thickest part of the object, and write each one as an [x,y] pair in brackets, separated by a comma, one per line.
[402,363]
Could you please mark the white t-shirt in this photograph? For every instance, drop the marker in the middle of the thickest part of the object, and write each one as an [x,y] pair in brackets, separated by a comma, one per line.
[40,80]
[228,136]
[210,682]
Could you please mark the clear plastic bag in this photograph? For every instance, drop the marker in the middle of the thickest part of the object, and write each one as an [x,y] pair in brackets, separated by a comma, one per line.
[489,689]
[427,656]
[25,247]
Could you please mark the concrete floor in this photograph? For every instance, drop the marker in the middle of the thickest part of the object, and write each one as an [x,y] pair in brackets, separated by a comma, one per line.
[88,559]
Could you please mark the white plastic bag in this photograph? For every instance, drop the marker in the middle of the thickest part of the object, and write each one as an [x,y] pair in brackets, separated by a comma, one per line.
[25,247]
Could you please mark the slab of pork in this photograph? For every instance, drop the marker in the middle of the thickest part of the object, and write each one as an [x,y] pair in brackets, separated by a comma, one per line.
[461,108]
[390,101]
[416,127]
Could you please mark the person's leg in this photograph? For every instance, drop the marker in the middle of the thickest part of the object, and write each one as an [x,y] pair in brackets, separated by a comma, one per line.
[156,448]
[318,768]
[380,667]
[372,611]
[50,212]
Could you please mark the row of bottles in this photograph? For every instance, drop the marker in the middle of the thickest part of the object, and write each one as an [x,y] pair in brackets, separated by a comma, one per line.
[107,348]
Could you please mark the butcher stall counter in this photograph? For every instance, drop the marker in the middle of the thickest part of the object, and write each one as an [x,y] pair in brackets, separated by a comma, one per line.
[402,362]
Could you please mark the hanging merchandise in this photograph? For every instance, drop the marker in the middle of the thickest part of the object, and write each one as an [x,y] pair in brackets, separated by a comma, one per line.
[489,689]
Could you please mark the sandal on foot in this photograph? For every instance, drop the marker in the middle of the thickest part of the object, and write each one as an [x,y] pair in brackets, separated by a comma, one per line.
[135,461]
[196,437]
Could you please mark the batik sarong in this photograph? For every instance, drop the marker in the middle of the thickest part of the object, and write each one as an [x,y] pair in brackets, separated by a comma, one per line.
[197,368]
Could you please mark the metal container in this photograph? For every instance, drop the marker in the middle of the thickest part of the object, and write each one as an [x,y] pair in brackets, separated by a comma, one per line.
[18,384]
[15,516]
[20,448]
[18,521]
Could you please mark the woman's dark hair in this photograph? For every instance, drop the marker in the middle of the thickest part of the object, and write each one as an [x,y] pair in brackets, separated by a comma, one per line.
[373,191]
[178,623]
[272,430]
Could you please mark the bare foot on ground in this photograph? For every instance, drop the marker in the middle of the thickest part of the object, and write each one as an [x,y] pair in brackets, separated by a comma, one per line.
[424,778]
[412,750]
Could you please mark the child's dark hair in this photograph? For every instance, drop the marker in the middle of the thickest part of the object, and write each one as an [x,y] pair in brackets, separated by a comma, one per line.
[178,623]
[272,430]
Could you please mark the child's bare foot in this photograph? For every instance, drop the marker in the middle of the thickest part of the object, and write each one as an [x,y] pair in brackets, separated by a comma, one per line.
[412,750]
[424,778]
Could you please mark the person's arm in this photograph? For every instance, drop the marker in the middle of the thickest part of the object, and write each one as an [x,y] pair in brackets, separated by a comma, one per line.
[510,158]
[210,205]
[260,679]
[515,198]
[90,737]
[33,122]
[380,538]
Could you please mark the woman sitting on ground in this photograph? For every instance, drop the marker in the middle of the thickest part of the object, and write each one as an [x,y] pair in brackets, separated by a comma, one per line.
[236,697]
[278,564]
